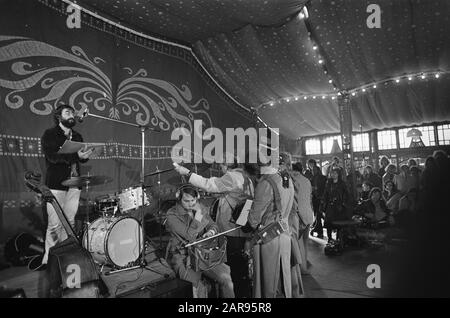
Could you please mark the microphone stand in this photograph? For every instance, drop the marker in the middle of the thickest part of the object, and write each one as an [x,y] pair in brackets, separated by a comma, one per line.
[142,263]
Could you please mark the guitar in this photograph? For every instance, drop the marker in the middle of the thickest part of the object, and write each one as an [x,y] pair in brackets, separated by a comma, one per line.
[71,270]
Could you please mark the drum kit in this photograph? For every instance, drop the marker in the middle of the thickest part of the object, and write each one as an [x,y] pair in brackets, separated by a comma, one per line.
[114,238]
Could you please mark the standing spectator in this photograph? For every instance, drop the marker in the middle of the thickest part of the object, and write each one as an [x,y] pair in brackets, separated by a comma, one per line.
[334,202]
[311,163]
[384,162]
[428,173]
[318,187]
[412,163]
[298,222]
[335,163]
[303,196]
[414,178]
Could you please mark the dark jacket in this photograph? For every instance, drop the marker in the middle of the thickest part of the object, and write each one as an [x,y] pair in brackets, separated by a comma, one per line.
[367,208]
[59,165]
[335,202]
[374,179]
[185,228]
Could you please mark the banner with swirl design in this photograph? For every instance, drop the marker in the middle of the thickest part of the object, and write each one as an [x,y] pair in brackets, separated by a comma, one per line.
[43,64]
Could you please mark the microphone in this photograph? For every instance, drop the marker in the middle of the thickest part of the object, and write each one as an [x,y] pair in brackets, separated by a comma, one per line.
[80,116]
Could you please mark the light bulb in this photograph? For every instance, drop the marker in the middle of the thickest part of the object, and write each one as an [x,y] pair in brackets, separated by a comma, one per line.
[397,80]
[437,75]
[374,86]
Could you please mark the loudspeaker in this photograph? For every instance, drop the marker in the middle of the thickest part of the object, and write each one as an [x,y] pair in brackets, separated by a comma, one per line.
[173,288]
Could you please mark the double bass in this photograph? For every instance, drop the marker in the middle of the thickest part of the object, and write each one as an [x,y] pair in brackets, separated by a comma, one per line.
[71,270]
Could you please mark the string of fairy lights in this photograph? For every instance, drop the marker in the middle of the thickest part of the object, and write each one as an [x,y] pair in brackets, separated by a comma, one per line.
[421,76]
[352,92]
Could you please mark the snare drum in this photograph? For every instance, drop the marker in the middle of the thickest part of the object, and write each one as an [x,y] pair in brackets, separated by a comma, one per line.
[131,198]
[114,241]
[108,206]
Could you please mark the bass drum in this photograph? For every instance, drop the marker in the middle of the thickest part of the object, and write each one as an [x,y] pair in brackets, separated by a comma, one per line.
[114,241]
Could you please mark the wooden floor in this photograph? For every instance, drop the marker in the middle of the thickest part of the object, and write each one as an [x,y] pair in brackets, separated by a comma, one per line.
[340,276]
[346,275]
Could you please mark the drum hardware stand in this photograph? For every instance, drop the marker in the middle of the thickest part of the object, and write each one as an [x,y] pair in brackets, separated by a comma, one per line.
[87,223]
[158,217]
[142,263]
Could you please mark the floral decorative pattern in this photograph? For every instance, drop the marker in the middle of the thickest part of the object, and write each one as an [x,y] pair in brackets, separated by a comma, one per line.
[79,81]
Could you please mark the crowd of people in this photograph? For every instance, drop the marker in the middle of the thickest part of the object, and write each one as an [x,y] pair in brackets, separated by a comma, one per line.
[387,198]
[267,256]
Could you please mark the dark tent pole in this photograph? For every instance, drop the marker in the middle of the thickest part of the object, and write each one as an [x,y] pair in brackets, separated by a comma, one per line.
[345,120]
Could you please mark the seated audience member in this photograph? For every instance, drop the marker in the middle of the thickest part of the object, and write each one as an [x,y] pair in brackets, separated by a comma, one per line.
[372,177]
[391,171]
[374,208]
[391,196]
[401,179]
[407,206]
[366,187]
[376,217]
[408,201]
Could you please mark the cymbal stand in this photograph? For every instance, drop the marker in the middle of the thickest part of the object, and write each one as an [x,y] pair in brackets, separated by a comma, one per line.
[87,222]
[159,209]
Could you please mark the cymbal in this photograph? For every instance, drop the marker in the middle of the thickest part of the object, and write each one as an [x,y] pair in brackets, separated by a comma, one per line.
[82,181]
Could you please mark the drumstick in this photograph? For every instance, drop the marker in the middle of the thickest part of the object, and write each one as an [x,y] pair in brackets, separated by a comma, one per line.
[211,237]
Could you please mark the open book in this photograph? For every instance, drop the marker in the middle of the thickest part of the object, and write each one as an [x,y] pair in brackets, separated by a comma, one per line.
[73,147]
